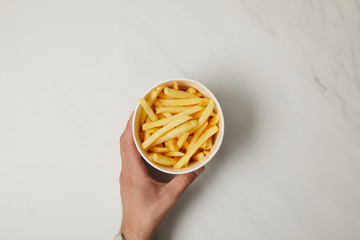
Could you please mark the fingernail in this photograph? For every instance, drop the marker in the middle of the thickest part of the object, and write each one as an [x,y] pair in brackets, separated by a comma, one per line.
[199,171]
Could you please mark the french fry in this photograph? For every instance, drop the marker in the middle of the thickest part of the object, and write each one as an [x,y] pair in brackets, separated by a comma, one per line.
[152,130]
[148,109]
[214,120]
[167,144]
[150,100]
[212,114]
[205,115]
[182,139]
[164,96]
[198,94]
[178,94]
[147,132]
[159,149]
[203,104]
[198,156]
[146,144]
[158,104]
[191,90]
[197,134]
[170,109]
[176,132]
[209,142]
[163,160]
[191,150]
[186,145]
[183,102]
[206,152]
[167,114]
[165,121]
[198,114]
[174,154]
[150,156]
[176,87]
[163,115]
[154,95]
[172,145]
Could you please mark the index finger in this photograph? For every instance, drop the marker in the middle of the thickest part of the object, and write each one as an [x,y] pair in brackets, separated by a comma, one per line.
[130,157]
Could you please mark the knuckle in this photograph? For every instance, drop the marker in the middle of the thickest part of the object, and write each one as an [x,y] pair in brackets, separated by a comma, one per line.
[187,181]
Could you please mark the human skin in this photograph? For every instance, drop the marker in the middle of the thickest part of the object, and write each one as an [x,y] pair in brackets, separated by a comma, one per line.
[145,201]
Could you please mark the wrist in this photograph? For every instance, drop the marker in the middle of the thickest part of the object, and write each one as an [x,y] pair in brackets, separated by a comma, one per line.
[131,232]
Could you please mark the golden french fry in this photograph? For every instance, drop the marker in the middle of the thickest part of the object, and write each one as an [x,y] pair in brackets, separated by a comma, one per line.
[152,130]
[182,139]
[150,156]
[161,116]
[206,152]
[147,132]
[204,146]
[174,154]
[214,120]
[165,114]
[176,132]
[158,104]
[176,87]
[191,90]
[198,94]
[164,96]
[198,114]
[209,143]
[148,109]
[146,144]
[183,102]
[163,160]
[164,121]
[185,145]
[197,134]
[212,114]
[159,149]
[205,115]
[172,145]
[170,109]
[167,144]
[198,156]
[178,94]
[150,100]
[142,116]
[154,95]
[191,150]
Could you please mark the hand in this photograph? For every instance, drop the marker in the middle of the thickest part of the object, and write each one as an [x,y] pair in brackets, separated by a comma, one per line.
[145,201]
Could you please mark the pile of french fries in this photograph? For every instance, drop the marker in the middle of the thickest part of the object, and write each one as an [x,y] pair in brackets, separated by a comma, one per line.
[177,126]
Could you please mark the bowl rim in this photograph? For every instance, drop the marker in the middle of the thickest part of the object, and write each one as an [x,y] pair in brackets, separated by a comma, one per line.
[221,133]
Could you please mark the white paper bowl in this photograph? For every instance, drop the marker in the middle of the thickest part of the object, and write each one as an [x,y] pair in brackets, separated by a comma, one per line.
[218,137]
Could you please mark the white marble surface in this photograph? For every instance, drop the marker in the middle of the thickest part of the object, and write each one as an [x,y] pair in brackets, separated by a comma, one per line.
[286,73]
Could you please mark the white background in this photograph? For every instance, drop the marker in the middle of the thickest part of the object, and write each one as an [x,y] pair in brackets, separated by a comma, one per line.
[285,72]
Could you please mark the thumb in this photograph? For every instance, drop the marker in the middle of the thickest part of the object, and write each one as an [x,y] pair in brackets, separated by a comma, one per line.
[181,182]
